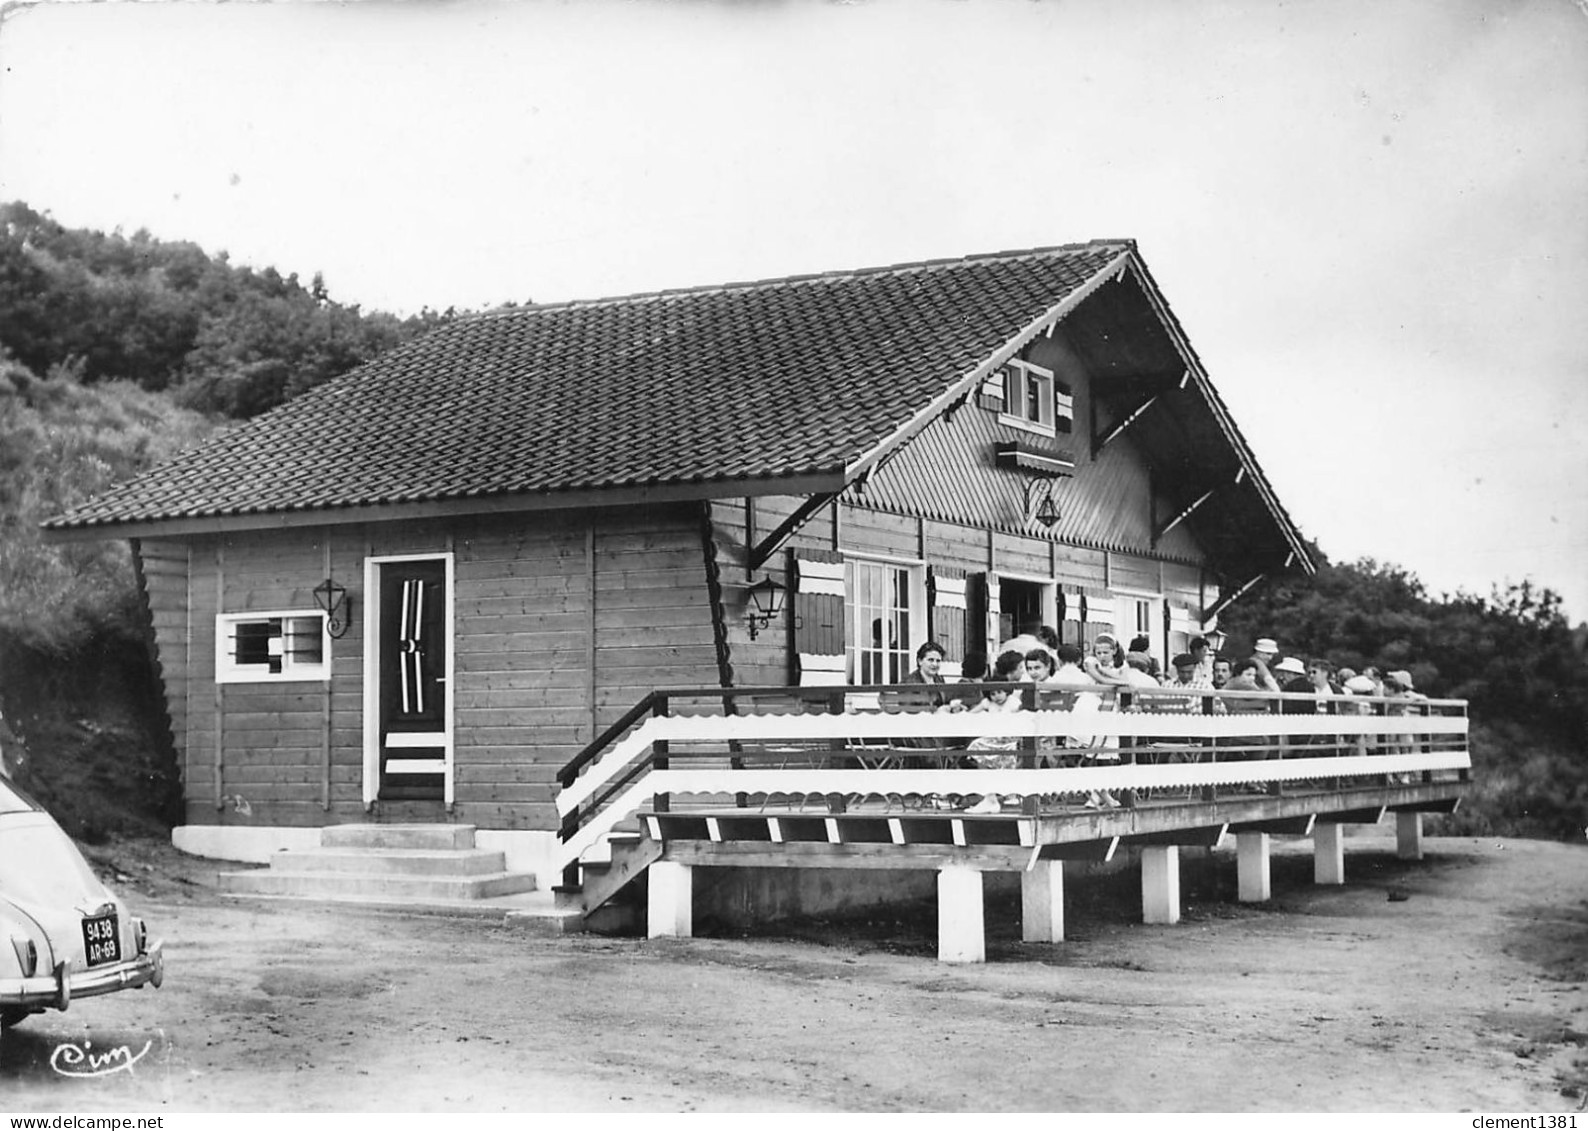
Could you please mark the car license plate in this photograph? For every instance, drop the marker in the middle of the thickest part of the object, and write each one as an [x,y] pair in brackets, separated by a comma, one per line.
[100,941]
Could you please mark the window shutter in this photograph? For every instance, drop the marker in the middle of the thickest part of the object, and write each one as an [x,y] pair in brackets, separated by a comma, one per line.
[991,393]
[1072,617]
[1181,627]
[1099,615]
[981,625]
[993,615]
[949,616]
[818,595]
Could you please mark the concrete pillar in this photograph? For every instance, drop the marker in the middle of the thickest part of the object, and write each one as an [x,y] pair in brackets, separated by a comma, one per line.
[961,927]
[1328,853]
[1042,902]
[1251,867]
[1160,883]
[1409,836]
[670,903]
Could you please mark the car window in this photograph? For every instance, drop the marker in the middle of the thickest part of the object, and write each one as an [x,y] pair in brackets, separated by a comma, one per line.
[40,864]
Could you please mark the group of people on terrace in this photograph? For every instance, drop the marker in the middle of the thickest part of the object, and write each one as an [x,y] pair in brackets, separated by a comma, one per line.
[1039,657]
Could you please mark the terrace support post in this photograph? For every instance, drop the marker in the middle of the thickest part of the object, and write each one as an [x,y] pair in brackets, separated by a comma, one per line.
[1328,853]
[1409,835]
[670,902]
[1251,867]
[1160,884]
[961,927]
[1042,902]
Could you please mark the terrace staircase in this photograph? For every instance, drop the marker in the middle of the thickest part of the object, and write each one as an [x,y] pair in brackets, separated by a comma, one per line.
[616,861]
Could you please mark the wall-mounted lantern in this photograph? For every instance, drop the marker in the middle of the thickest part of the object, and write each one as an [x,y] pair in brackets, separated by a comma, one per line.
[333,601]
[1039,501]
[1215,640]
[763,604]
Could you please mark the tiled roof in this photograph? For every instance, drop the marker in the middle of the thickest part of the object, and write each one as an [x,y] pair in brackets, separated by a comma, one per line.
[747,381]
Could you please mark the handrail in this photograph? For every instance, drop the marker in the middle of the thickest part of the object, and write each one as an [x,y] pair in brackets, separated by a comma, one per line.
[590,753]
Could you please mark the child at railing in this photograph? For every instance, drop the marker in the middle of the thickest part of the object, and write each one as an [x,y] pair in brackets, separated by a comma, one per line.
[996,751]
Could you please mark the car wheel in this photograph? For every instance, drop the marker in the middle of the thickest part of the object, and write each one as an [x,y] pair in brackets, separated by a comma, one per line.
[13,1015]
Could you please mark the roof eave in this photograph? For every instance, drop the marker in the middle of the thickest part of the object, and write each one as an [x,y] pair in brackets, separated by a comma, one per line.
[188,526]
[1297,553]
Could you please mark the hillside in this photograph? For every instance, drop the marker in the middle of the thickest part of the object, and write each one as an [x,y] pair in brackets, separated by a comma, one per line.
[116,353]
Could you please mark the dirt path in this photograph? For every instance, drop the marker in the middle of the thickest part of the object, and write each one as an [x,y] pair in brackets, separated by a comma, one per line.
[1457,983]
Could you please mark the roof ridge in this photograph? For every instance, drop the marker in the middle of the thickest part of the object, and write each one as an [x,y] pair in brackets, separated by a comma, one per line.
[809,277]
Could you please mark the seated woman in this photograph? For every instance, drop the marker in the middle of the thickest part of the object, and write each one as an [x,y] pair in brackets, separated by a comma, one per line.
[935,696]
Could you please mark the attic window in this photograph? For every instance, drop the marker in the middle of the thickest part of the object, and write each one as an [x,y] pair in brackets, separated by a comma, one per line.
[272,647]
[1035,399]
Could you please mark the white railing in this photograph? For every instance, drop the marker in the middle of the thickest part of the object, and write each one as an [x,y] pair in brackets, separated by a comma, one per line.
[795,754]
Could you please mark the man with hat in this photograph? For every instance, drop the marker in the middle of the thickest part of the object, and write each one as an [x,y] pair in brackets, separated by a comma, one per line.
[1296,683]
[1189,676]
[1264,654]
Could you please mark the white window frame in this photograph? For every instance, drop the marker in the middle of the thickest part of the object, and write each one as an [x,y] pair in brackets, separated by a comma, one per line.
[228,670]
[1017,378]
[1132,600]
[916,621]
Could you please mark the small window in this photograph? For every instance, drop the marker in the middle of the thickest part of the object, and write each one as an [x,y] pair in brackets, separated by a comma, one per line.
[1036,399]
[266,647]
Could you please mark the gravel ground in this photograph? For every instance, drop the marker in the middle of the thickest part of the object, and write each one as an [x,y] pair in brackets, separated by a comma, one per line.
[1456,983]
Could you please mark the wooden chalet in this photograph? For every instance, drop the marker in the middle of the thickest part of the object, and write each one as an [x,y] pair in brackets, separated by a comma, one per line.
[441,588]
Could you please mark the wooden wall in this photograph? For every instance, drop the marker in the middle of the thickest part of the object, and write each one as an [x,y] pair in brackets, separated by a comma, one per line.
[563,621]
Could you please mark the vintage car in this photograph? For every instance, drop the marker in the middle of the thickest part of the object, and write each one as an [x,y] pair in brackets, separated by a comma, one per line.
[63,934]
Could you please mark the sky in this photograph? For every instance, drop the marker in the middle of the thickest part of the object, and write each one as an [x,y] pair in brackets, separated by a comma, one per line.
[1370,218]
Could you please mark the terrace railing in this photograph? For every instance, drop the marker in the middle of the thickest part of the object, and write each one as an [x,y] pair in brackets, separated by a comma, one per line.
[787,747]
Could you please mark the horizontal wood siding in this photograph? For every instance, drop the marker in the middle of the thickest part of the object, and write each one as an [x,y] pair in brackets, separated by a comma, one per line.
[764,661]
[526,696]
[1025,556]
[1184,586]
[522,671]
[652,609]
[1126,572]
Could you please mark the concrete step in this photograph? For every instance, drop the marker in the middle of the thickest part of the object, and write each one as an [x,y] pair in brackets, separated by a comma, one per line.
[433,837]
[534,912]
[392,861]
[359,885]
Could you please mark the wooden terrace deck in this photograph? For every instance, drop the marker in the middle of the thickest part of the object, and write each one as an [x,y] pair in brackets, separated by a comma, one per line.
[872,789]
